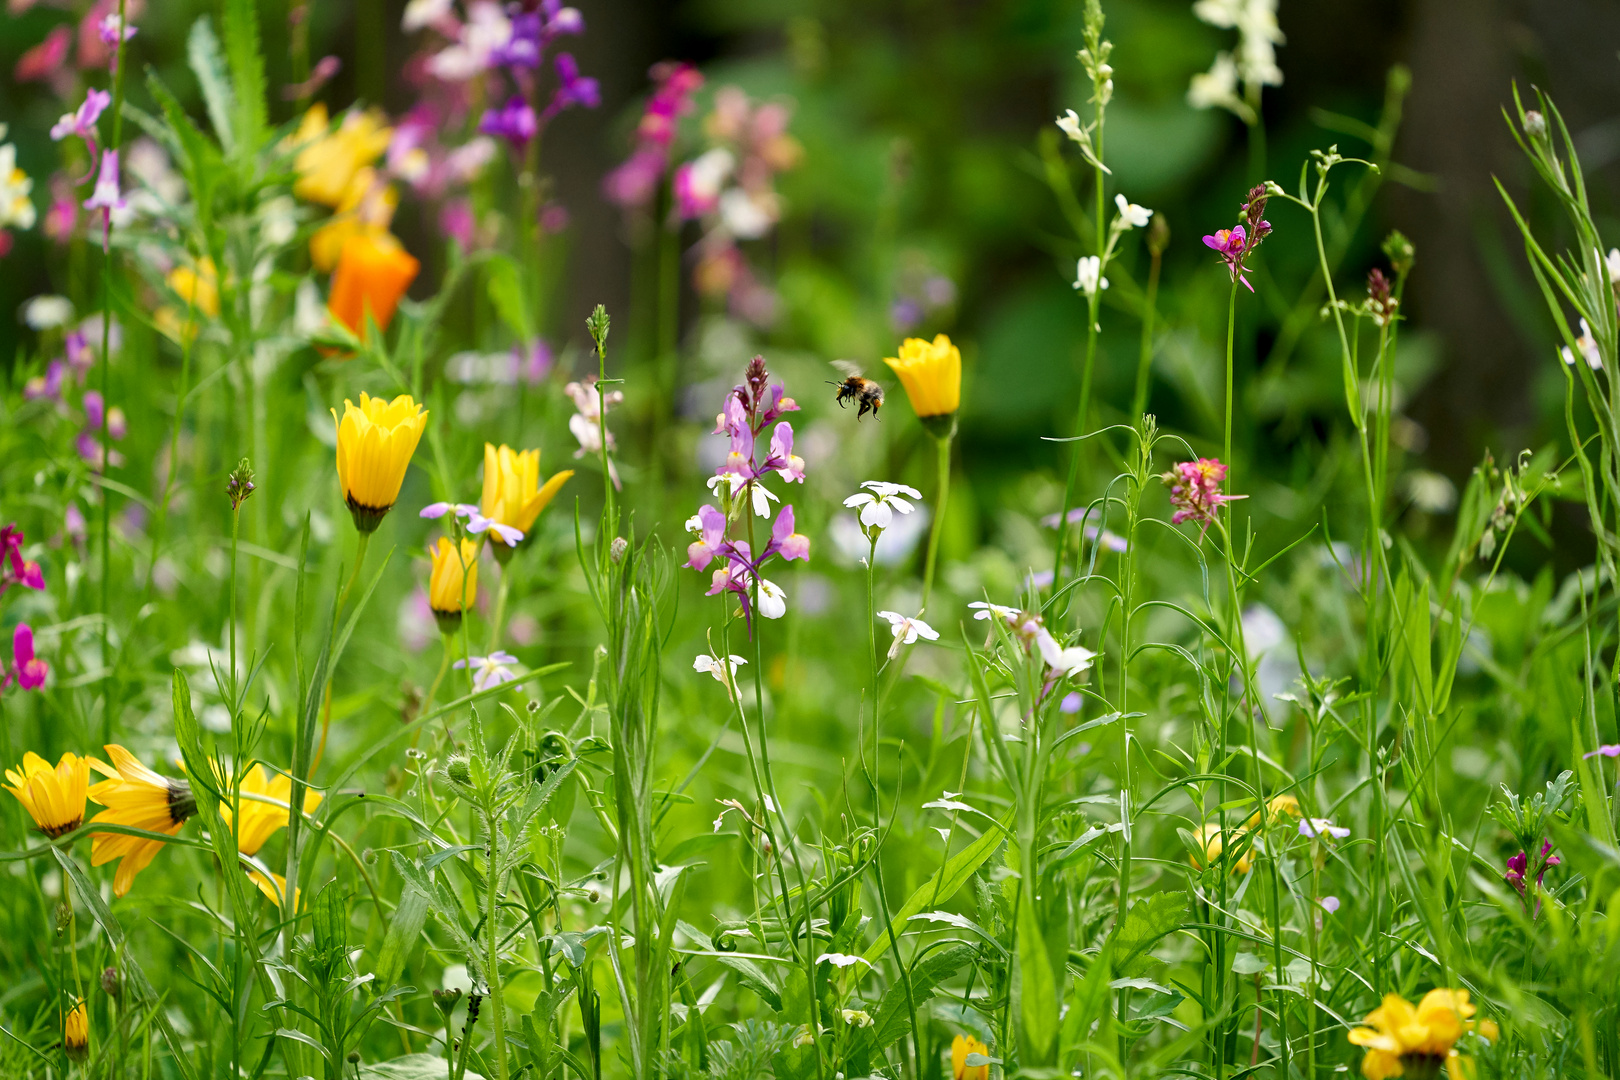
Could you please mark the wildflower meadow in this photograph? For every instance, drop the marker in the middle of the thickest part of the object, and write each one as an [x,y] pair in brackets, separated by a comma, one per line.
[904,540]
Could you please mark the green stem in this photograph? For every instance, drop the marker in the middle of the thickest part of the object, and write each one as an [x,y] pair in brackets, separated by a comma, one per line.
[1144,363]
[496,997]
[500,607]
[359,560]
[1231,323]
[942,444]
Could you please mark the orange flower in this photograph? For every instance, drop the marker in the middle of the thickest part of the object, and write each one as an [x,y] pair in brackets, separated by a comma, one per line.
[372,274]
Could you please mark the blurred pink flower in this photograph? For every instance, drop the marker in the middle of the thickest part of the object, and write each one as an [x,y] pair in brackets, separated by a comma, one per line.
[27,670]
[635,182]
[44,61]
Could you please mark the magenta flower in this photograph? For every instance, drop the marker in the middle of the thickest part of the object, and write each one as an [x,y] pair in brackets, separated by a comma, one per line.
[44,61]
[1606,750]
[14,569]
[573,88]
[1518,867]
[1195,491]
[1234,245]
[82,122]
[106,196]
[48,385]
[634,183]
[27,670]
[515,122]
[534,361]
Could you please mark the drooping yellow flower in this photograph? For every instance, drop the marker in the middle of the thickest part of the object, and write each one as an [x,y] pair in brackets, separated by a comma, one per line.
[367,208]
[328,160]
[373,272]
[76,1032]
[54,798]
[375,442]
[446,595]
[1399,1037]
[260,820]
[931,372]
[1210,839]
[513,494]
[139,798]
[961,1047]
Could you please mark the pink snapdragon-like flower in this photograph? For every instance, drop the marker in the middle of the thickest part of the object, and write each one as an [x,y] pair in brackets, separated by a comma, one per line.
[785,541]
[48,385]
[1519,865]
[788,465]
[44,61]
[106,196]
[1195,491]
[1236,244]
[14,569]
[709,526]
[27,670]
[635,182]
[82,121]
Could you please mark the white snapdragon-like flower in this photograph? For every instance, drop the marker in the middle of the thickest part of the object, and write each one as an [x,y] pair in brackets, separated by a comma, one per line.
[906,630]
[722,670]
[1217,87]
[842,960]
[1318,826]
[1131,215]
[772,600]
[1612,261]
[1074,660]
[1588,346]
[880,501]
[1088,275]
[983,610]
[761,497]
[1069,124]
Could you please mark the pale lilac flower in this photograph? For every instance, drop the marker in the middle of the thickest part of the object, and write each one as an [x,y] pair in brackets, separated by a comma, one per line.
[1313,827]
[47,386]
[1606,750]
[112,31]
[1071,703]
[1330,904]
[489,670]
[434,511]
[487,29]
[106,195]
[785,541]
[82,121]
[906,629]
[534,361]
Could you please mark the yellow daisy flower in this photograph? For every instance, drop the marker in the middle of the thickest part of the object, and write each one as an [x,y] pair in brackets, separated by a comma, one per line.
[931,372]
[1401,1039]
[375,442]
[367,208]
[446,595]
[76,1032]
[961,1047]
[141,799]
[54,798]
[513,494]
[260,820]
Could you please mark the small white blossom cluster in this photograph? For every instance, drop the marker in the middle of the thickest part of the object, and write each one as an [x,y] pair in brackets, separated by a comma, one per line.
[1251,66]
[1027,626]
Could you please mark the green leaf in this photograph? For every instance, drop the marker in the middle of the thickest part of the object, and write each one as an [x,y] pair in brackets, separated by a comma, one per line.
[202,50]
[1145,923]
[505,284]
[247,72]
[937,889]
[1034,989]
[892,1019]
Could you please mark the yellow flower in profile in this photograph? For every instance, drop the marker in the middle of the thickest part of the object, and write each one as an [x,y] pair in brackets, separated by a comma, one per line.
[261,820]
[54,798]
[375,442]
[197,287]
[513,494]
[446,594]
[367,208]
[1210,839]
[931,372]
[961,1047]
[1275,809]
[76,1032]
[327,160]
[141,799]
[1400,1038]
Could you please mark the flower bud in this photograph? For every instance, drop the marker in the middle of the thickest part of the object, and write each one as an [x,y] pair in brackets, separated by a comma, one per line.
[459,770]
[446,1000]
[617,549]
[240,484]
[110,983]
[64,917]
[1535,125]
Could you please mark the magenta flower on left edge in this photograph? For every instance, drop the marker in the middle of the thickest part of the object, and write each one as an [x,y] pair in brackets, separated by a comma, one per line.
[14,569]
[27,670]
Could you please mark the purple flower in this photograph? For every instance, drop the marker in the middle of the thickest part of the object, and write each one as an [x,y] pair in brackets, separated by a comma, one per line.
[48,385]
[488,670]
[1606,750]
[573,88]
[82,122]
[434,511]
[515,122]
[1330,904]
[93,408]
[784,541]
[1234,245]
[1518,867]
[534,361]
[112,31]
[709,525]
[14,569]
[80,356]
[27,671]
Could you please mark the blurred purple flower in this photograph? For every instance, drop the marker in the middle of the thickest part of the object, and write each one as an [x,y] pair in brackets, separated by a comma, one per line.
[534,361]
[572,89]
[48,385]
[515,122]
[1518,867]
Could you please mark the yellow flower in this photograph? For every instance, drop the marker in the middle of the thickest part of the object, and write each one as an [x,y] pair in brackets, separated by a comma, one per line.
[1424,1037]
[446,596]
[513,494]
[1275,809]
[54,798]
[931,374]
[260,820]
[374,446]
[961,1047]
[1210,839]
[76,1032]
[141,799]
[367,208]
[328,160]
[197,288]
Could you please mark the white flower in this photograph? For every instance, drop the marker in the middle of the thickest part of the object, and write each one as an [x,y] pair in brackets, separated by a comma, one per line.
[762,498]
[1088,275]
[803,1037]
[489,670]
[842,960]
[16,209]
[858,1018]
[708,173]
[1614,266]
[47,312]
[906,630]
[420,13]
[279,220]
[894,546]
[486,30]
[1132,215]
[722,670]
[983,610]
[772,600]
[879,502]
[1316,826]
[1217,87]
[1588,346]
[746,217]
[1069,124]
[1074,660]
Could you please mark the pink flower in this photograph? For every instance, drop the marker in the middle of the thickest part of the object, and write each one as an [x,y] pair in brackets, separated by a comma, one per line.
[1234,245]
[14,569]
[1195,491]
[634,183]
[1606,750]
[44,60]
[788,465]
[106,196]
[27,670]
[82,121]
[1518,867]
[709,526]
[48,385]
[784,541]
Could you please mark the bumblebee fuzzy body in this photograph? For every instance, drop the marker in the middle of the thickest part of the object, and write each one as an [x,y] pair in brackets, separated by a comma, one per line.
[862,390]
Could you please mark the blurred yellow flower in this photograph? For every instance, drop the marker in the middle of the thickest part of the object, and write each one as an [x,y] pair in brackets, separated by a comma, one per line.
[141,799]
[328,160]
[446,595]
[375,442]
[367,207]
[54,798]
[1275,809]
[76,1032]
[961,1047]
[932,375]
[260,820]
[373,272]
[1210,839]
[197,287]
[1399,1036]
[513,494]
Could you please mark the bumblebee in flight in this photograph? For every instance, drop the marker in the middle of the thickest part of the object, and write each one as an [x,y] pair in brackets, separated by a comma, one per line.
[856,387]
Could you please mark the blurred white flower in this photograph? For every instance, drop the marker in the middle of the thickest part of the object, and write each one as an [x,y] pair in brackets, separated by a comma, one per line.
[894,546]
[1132,215]
[761,497]
[983,610]
[1588,346]
[1088,275]
[1217,87]
[421,13]
[1430,492]
[906,630]
[1074,660]
[16,209]
[47,312]
[842,960]
[747,217]
[487,29]
[1318,826]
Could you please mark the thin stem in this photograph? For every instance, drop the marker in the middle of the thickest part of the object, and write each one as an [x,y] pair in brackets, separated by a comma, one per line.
[943,445]
[1231,323]
[496,995]
[1144,362]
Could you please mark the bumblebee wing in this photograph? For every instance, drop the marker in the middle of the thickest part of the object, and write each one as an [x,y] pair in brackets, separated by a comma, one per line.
[847,367]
